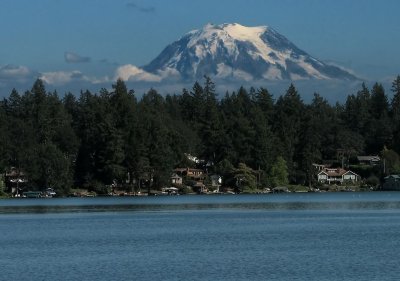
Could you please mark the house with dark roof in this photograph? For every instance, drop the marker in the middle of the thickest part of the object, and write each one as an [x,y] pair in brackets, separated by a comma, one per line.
[337,176]
[191,173]
[371,160]
[175,179]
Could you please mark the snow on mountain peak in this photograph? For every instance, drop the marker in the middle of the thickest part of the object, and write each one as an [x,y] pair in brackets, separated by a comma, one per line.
[232,50]
[227,34]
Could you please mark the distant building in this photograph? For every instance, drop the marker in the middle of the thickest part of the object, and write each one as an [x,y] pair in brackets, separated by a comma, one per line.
[369,160]
[15,181]
[199,187]
[392,182]
[175,179]
[190,173]
[337,176]
[216,180]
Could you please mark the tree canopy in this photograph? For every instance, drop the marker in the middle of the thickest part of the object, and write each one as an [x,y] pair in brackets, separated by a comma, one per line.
[98,139]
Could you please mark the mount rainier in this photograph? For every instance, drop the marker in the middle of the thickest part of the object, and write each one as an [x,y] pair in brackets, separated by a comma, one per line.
[237,52]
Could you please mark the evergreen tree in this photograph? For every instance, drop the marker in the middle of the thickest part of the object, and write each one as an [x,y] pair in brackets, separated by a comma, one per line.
[266,103]
[245,178]
[379,101]
[124,115]
[395,113]
[4,138]
[287,126]
[211,131]
[357,112]
[395,103]
[380,130]
[316,126]
[263,144]
[44,126]
[49,169]
[159,137]
[198,103]
[237,109]
[100,156]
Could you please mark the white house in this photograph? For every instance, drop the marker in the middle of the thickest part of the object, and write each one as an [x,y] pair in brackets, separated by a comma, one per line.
[337,175]
[175,179]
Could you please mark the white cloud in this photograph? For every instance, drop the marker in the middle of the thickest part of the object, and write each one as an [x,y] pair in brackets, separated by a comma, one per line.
[15,72]
[65,77]
[341,65]
[59,77]
[130,72]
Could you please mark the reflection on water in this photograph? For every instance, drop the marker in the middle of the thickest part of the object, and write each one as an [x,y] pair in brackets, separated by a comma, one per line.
[326,201]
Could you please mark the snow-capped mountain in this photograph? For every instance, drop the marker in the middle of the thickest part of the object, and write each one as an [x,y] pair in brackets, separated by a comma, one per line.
[234,51]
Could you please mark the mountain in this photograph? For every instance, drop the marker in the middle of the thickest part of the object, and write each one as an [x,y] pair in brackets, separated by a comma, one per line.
[237,52]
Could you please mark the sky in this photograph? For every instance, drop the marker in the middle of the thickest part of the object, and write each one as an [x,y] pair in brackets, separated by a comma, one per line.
[79,44]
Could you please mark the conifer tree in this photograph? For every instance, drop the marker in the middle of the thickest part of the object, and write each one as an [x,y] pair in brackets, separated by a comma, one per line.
[288,111]
[380,130]
[395,103]
[379,101]
[395,113]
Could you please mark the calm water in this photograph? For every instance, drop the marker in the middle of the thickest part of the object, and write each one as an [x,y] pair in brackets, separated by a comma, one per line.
[335,236]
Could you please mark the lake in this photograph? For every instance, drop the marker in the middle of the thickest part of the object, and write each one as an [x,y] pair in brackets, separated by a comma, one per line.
[307,236]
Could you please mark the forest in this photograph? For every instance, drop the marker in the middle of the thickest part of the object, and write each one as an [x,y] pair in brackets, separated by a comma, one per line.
[93,140]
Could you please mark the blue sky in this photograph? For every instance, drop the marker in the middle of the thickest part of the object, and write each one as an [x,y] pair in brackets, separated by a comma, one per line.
[81,43]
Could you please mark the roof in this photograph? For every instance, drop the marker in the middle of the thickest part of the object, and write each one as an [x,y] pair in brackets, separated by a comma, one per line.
[175,176]
[335,172]
[368,158]
[396,177]
[187,170]
[350,172]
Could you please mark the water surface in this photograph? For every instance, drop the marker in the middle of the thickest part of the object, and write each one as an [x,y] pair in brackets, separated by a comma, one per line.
[337,236]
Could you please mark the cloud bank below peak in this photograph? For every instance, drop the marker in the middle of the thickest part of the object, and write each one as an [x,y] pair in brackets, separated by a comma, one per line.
[129,72]
[58,78]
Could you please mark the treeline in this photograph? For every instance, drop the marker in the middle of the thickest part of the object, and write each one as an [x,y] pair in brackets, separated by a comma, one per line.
[98,139]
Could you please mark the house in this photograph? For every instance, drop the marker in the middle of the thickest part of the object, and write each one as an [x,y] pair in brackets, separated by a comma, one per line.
[15,181]
[369,160]
[190,173]
[337,175]
[175,179]
[199,187]
[216,180]
[392,182]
